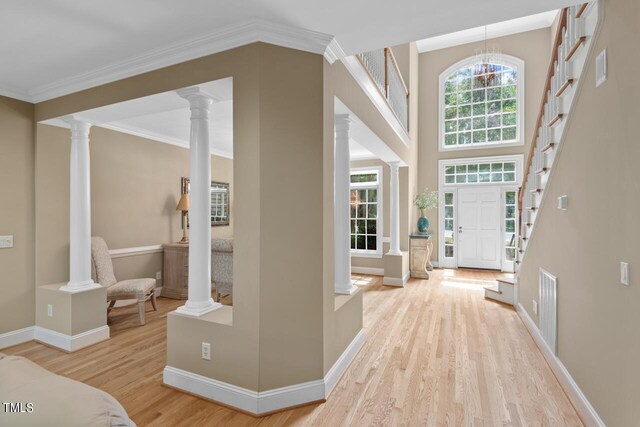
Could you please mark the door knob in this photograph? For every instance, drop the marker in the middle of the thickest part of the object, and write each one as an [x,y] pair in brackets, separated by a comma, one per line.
[459,229]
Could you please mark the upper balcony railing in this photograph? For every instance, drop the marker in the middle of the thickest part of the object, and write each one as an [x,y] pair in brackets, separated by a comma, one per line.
[383,69]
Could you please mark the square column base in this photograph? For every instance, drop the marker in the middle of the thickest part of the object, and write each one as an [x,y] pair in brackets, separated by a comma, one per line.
[79,287]
[347,291]
[198,310]
[396,269]
[71,320]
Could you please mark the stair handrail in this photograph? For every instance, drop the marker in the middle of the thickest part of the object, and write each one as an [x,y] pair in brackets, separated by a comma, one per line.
[554,57]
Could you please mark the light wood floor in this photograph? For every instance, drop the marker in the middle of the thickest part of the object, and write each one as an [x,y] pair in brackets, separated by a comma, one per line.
[436,353]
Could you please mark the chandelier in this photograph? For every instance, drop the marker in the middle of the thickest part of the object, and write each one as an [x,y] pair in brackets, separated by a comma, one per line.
[485,58]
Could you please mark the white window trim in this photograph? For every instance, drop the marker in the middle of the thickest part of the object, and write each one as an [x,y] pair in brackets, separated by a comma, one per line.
[517,158]
[453,188]
[444,262]
[378,253]
[508,266]
[508,60]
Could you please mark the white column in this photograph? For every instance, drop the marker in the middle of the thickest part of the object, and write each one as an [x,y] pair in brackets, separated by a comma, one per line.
[342,195]
[79,209]
[394,217]
[199,299]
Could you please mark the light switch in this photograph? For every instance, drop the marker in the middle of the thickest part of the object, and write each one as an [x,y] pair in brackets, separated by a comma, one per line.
[624,273]
[563,202]
[535,306]
[601,68]
[6,242]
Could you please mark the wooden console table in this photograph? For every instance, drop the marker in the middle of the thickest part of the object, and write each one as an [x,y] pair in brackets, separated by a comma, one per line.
[420,248]
[175,277]
[176,268]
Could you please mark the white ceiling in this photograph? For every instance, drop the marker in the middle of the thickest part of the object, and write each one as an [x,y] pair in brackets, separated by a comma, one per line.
[500,29]
[165,117]
[52,48]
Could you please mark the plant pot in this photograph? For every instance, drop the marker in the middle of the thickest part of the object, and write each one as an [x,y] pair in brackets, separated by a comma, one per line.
[423,224]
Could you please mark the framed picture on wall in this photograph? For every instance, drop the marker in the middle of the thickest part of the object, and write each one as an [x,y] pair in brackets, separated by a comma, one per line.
[219,201]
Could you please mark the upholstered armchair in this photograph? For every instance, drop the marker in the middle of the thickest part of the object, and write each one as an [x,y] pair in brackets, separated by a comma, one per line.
[222,266]
[102,269]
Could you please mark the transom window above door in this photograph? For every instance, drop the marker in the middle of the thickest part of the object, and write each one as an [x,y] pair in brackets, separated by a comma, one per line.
[481,104]
[480,173]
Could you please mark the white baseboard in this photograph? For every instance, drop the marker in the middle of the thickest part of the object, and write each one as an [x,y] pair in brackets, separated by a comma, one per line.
[71,342]
[264,402]
[16,337]
[394,281]
[368,270]
[339,368]
[586,412]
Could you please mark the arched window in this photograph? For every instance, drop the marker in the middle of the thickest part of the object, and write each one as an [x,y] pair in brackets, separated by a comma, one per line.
[482,104]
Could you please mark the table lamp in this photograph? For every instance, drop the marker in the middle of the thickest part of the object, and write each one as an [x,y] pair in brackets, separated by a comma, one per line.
[183,205]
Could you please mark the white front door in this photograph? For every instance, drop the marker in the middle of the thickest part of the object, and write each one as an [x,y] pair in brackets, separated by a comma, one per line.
[479,220]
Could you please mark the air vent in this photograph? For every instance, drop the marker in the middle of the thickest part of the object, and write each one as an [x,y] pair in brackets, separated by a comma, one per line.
[601,68]
[548,309]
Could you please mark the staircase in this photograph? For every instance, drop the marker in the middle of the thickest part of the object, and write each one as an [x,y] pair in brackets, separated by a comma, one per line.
[578,25]
[502,291]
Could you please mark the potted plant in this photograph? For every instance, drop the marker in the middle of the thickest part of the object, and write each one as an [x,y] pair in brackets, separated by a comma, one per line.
[425,201]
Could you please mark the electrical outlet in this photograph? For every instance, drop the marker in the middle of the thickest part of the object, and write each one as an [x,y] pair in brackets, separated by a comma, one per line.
[159,275]
[206,351]
[535,307]
[50,310]
[624,273]
[6,242]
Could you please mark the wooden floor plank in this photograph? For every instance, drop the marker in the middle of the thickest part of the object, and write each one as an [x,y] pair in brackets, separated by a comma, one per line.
[436,353]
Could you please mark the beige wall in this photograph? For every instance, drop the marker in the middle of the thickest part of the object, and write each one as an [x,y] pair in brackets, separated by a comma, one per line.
[532,47]
[135,187]
[16,214]
[597,167]
[291,181]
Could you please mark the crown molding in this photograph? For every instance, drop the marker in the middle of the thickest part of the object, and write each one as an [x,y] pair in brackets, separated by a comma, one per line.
[225,38]
[11,92]
[334,52]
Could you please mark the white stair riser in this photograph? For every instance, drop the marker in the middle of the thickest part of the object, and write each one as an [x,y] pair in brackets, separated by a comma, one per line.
[506,295]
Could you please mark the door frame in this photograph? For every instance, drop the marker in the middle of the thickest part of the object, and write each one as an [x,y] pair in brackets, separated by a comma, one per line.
[453,188]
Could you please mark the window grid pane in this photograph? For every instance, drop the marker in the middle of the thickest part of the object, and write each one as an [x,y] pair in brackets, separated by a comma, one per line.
[364,222]
[449,226]
[478,173]
[510,225]
[481,98]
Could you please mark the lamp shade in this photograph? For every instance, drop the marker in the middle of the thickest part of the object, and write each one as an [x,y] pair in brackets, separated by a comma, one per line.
[183,204]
